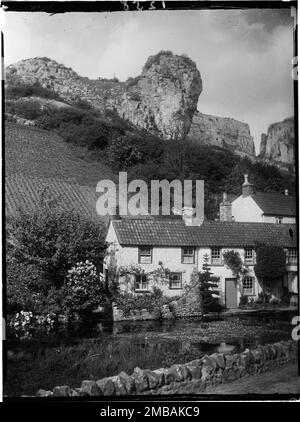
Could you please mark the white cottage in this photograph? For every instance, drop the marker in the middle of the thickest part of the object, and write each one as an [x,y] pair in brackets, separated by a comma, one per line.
[260,207]
[180,246]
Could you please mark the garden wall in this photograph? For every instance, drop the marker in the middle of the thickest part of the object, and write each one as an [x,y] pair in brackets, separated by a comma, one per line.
[189,378]
[142,315]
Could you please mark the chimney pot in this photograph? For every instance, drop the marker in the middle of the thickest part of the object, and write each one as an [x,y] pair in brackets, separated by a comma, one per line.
[247,187]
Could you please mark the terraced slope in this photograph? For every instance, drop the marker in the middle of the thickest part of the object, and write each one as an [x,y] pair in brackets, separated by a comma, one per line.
[38,161]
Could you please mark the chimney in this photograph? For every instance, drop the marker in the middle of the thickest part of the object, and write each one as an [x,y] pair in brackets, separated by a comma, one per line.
[115,215]
[188,217]
[247,188]
[225,209]
[286,192]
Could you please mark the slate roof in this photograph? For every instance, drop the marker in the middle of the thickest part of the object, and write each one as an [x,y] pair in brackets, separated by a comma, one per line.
[137,232]
[276,203]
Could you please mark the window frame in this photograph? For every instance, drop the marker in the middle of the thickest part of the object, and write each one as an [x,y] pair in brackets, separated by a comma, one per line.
[292,258]
[245,292]
[278,219]
[140,254]
[249,261]
[184,255]
[141,282]
[170,281]
[214,260]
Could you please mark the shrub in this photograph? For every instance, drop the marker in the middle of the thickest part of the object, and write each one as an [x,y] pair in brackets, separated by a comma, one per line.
[83,290]
[21,89]
[270,262]
[243,300]
[30,110]
[128,302]
[52,239]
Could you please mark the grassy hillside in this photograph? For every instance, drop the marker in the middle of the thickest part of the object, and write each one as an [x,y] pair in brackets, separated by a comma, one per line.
[38,153]
[37,161]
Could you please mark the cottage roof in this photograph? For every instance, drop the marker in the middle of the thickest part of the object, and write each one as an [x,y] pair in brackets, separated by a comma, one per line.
[135,232]
[275,203]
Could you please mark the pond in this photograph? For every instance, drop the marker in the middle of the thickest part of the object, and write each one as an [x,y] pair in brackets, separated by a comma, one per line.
[69,354]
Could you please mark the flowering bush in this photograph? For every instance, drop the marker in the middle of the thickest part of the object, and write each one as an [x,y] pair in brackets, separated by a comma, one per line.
[83,289]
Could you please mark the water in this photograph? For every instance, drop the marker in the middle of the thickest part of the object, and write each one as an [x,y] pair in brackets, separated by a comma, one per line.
[69,354]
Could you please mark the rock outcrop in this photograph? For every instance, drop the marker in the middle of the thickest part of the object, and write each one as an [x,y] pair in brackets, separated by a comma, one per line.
[278,145]
[224,132]
[161,100]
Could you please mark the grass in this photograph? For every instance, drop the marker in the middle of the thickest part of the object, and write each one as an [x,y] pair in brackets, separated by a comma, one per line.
[39,153]
[47,367]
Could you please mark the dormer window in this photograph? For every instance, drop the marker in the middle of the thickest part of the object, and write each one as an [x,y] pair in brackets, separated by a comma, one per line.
[188,255]
[145,255]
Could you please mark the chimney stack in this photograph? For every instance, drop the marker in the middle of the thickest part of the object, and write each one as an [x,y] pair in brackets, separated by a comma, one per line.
[225,209]
[286,192]
[247,187]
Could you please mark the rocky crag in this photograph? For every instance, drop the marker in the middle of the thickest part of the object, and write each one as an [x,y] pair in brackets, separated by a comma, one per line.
[224,132]
[278,145]
[161,100]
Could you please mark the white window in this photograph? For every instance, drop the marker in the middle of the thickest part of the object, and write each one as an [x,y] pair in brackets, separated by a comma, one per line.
[249,256]
[141,282]
[175,281]
[278,220]
[292,256]
[216,256]
[145,255]
[248,286]
[188,255]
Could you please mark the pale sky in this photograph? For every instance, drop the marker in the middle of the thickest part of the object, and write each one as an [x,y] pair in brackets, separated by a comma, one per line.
[244,57]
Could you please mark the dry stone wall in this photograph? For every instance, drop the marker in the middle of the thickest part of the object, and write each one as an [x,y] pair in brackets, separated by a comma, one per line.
[189,378]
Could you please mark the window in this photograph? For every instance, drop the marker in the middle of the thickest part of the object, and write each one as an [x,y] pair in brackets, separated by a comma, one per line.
[145,255]
[141,282]
[292,256]
[278,220]
[248,286]
[188,255]
[216,256]
[249,256]
[175,281]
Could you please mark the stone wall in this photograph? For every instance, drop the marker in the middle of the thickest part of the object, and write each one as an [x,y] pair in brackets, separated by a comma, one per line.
[189,378]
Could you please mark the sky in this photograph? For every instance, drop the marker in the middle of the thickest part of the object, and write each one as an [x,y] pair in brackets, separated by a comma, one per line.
[244,56]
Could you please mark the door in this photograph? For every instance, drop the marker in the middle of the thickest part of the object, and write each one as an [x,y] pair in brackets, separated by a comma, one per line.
[230,293]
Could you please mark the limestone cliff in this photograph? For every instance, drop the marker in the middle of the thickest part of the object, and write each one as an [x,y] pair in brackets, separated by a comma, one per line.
[162,99]
[278,145]
[224,132]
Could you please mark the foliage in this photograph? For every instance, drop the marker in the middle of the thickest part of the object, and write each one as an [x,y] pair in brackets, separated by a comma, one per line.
[207,288]
[233,260]
[156,58]
[243,300]
[83,290]
[129,302]
[52,239]
[28,109]
[20,89]
[270,262]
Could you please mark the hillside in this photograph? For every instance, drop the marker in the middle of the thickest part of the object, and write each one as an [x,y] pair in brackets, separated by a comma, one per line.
[38,161]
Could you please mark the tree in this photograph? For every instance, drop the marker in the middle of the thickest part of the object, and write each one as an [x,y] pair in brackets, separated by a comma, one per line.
[270,263]
[53,240]
[207,286]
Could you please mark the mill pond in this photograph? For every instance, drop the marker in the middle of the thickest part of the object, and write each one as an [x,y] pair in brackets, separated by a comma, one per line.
[70,354]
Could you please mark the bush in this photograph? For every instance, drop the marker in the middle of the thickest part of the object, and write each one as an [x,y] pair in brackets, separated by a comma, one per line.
[83,290]
[128,302]
[52,240]
[20,89]
[243,300]
[30,110]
